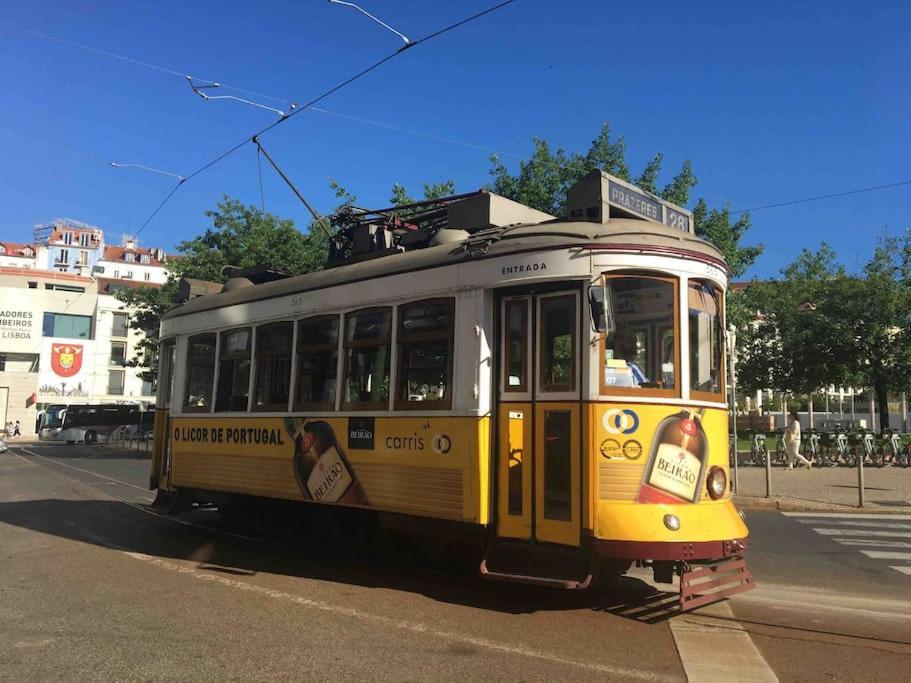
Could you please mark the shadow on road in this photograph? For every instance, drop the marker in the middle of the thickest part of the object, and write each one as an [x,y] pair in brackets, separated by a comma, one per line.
[212,545]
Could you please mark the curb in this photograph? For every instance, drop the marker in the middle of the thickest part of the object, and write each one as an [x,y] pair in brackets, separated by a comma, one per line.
[797,505]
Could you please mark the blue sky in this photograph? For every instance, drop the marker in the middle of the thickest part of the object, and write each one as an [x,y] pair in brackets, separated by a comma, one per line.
[772,102]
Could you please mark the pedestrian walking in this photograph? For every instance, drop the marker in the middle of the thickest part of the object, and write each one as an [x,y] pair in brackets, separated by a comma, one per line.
[17,431]
[9,428]
[792,441]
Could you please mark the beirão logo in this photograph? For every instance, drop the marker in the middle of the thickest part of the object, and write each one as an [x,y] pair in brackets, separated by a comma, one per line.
[620,421]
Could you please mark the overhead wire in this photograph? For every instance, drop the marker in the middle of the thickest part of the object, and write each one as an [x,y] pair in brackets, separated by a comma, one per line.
[360,74]
[824,196]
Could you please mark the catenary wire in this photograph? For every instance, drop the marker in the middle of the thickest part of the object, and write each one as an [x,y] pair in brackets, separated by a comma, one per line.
[130,60]
[318,98]
[824,196]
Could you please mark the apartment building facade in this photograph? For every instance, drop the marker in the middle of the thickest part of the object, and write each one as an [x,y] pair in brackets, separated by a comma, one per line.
[64,335]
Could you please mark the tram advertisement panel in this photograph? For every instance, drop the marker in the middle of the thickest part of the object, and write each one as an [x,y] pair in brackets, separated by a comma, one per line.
[657,454]
[402,463]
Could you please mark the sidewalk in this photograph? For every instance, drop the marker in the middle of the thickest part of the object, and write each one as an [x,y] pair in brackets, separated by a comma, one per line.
[887,489]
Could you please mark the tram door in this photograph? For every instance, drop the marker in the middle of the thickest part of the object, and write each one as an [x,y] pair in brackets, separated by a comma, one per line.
[539,415]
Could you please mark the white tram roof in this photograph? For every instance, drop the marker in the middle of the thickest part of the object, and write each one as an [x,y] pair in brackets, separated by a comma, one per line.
[624,235]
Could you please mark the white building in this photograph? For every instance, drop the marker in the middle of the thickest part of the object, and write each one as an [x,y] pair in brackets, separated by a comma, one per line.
[64,336]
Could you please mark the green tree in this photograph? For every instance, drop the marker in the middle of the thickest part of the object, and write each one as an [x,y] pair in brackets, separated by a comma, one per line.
[238,235]
[866,319]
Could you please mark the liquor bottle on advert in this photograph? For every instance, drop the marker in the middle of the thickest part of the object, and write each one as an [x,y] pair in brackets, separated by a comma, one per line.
[678,458]
[323,472]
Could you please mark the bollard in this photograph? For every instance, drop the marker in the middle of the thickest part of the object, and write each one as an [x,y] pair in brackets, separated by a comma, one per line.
[768,473]
[860,480]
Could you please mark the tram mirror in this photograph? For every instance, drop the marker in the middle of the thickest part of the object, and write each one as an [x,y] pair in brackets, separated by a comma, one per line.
[600,300]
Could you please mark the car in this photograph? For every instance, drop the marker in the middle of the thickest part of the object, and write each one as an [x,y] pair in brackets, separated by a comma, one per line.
[3,446]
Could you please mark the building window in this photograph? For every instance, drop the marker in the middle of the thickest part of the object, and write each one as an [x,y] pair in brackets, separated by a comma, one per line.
[128,275]
[32,285]
[67,238]
[82,258]
[63,288]
[233,371]
[67,326]
[425,354]
[116,273]
[148,389]
[85,239]
[119,326]
[317,363]
[200,372]
[144,258]
[64,256]
[273,366]
[119,353]
[367,359]
[115,382]
[147,276]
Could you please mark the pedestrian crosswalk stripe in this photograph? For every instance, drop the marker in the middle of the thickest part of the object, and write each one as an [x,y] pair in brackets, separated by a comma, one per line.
[886,555]
[842,515]
[862,523]
[862,532]
[878,537]
[872,542]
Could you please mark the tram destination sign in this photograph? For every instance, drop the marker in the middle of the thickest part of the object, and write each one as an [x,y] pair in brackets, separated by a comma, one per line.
[635,202]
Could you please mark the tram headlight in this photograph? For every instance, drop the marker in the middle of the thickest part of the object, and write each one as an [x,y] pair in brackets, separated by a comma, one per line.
[672,522]
[717,482]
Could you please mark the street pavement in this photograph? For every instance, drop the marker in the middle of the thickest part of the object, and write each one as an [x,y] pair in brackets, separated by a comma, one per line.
[95,585]
[885,488]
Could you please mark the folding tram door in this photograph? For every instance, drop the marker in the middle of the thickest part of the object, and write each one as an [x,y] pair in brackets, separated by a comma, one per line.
[538,437]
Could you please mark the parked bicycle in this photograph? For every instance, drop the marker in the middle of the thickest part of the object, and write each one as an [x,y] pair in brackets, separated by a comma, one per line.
[812,451]
[889,448]
[781,449]
[758,448]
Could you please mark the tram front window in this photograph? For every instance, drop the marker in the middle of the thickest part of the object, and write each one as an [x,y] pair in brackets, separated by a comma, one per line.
[706,339]
[640,353]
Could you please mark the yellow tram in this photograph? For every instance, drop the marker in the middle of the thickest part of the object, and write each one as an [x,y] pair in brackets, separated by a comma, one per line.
[554,387]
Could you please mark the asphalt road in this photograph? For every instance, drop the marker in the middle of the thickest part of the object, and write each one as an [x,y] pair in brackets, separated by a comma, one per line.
[95,585]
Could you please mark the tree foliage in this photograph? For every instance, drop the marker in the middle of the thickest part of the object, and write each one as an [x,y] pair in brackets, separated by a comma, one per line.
[543,180]
[819,325]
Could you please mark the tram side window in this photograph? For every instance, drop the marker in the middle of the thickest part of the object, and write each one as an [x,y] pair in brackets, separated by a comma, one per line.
[233,371]
[367,359]
[425,354]
[273,366]
[317,363]
[200,372]
[706,338]
[516,364]
[641,352]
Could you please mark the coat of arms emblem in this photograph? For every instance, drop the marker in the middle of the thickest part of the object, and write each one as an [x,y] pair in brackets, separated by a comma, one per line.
[66,359]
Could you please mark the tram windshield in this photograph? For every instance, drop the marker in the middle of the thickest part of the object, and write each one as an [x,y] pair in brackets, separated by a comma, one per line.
[706,338]
[641,351]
